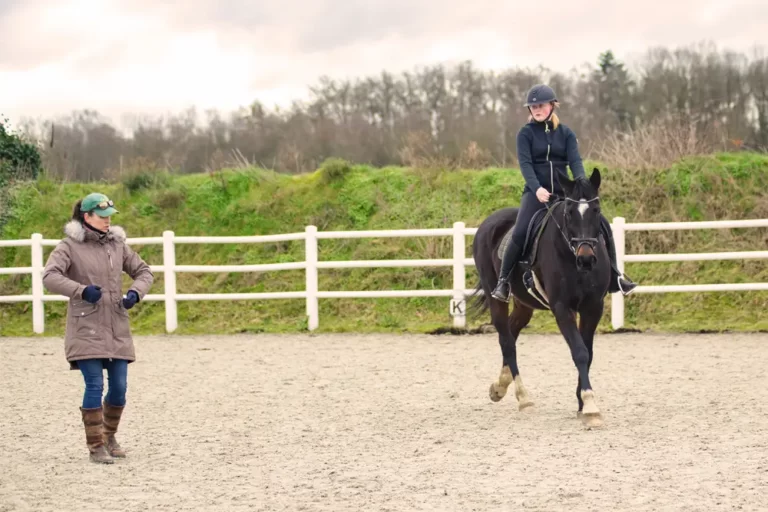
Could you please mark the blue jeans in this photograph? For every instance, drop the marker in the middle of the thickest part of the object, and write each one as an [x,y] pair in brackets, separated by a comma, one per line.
[93,374]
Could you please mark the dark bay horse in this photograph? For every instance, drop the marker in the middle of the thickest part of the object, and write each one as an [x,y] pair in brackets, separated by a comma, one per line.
[572,270]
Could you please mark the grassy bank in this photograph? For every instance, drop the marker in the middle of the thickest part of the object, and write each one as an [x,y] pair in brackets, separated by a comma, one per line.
[343,197]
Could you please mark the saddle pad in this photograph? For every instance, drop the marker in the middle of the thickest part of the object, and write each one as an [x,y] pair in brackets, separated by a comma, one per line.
[531,234]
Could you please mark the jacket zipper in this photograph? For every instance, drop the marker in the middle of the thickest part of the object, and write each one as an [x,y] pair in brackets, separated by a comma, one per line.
[551,167]
[109,255]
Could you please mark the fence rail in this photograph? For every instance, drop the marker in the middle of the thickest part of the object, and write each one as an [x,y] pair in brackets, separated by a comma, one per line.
[311,264]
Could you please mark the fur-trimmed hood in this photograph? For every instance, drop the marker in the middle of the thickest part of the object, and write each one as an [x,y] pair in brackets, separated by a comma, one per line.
[76,231]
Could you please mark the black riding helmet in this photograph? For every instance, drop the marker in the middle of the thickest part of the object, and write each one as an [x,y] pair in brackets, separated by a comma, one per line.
[540,93]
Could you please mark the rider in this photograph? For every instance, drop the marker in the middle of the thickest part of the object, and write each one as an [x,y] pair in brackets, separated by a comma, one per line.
[544,147]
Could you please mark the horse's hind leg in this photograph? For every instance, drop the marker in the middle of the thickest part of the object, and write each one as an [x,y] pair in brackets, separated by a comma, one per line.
[521,315]
[509,328]
[499,314]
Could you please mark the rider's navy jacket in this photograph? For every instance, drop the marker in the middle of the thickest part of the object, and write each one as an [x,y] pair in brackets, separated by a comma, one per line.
[536,148]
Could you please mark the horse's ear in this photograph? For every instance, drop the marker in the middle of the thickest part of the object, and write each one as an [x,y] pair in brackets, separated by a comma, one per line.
[567,185]
[595,178]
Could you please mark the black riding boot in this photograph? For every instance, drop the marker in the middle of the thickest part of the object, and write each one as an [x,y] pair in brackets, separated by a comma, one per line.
[619,281]
[503,289]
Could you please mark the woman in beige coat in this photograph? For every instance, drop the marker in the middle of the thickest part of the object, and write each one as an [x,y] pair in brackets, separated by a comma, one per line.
[87,267]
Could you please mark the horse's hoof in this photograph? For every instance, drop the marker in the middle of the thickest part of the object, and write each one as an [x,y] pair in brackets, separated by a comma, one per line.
[592,420]
[525,406]
[496,393]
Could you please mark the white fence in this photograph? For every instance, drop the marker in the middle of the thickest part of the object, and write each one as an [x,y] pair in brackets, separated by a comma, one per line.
[312,264]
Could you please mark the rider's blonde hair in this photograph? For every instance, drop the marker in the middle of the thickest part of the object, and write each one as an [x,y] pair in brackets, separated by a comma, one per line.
[554,118]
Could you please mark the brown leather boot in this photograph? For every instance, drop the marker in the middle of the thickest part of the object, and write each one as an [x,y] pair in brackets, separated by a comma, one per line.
[111,421]
[94,437]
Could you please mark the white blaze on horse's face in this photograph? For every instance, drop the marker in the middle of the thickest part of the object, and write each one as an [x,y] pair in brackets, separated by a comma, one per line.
[583,207]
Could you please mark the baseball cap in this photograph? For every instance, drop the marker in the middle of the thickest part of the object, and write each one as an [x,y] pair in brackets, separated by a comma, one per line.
[99,204]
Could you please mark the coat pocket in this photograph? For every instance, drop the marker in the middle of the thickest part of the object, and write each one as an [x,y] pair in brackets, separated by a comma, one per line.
[85,317]
[121,322]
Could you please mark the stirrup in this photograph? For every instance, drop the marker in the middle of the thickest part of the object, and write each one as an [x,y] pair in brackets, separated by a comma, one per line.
[631,289]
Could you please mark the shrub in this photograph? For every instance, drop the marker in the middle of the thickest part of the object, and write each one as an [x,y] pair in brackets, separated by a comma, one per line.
[334,169]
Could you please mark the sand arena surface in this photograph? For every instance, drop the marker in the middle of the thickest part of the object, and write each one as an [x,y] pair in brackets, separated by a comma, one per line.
[395,423]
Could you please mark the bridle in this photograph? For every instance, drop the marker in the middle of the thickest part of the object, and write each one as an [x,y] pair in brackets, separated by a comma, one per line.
[574,243]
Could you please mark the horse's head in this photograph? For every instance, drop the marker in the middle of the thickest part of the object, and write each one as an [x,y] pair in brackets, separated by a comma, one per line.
[582,218]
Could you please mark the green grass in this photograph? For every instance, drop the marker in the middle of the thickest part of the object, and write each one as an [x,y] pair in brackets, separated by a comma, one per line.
[340,196]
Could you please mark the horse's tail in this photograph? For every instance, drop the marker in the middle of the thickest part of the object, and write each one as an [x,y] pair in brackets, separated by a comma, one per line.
[478,304]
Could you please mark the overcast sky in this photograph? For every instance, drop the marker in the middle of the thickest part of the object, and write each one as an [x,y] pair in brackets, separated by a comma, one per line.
[155,56]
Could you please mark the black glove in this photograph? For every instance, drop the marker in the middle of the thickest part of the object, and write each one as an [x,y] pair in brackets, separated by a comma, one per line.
[130,299]
[92,293]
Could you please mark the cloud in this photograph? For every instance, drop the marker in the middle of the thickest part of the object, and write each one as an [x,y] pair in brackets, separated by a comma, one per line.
[361,23]
[156,57]
[7,6]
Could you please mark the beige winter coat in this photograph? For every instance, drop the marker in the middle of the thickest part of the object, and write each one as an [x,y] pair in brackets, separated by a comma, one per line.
[84,257]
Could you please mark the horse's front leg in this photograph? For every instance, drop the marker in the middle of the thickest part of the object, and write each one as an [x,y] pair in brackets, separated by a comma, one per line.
[566,321]
[589,318]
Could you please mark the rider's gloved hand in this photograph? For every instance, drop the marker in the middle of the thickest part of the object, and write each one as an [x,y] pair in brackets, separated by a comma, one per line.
[92,293]
[130,299]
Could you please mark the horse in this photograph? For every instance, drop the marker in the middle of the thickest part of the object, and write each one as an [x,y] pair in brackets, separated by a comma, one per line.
[564,268]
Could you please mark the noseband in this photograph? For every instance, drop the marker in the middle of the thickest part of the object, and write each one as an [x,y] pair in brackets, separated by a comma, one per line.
[575,243]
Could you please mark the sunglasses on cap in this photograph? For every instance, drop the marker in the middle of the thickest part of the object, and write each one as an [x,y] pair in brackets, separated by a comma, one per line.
[104,205]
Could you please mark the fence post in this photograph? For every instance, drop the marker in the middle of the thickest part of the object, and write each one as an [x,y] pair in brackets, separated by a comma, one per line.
[38,309]
[617,299]
[310,257]
[458,304]
[169,278]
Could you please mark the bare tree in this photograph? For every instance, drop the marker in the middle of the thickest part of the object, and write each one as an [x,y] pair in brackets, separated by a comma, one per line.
[459,116]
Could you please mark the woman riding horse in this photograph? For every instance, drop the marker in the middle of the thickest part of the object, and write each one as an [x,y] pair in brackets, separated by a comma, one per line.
[544,147]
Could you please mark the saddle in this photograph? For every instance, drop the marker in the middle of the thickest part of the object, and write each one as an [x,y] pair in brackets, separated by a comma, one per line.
[529,251]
